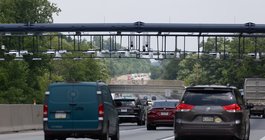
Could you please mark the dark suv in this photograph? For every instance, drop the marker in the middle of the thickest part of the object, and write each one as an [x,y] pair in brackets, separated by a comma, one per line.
[131,110]
[211,110]
[80,110]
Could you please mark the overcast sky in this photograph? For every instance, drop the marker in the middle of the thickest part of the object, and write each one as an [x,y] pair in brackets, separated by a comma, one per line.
[177,11]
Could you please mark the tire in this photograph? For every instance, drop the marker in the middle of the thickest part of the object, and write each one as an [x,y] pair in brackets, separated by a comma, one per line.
[139,123]
[105,136]
[247,133]
[178,138]
[235,138]
[150,127]
[143,122]
[46,137]
[117,135]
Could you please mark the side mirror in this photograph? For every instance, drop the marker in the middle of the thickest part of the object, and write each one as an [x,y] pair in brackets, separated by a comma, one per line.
[250,105]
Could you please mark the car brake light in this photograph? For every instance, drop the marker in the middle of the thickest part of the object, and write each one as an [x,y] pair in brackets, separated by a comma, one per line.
[232,108]
[151,112]
[45,111]
[100,111]
[184,107]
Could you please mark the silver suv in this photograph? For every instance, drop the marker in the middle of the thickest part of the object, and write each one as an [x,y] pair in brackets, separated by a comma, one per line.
[212,110]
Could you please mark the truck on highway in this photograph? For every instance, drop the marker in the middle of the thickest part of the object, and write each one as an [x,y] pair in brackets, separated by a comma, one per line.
[254,93]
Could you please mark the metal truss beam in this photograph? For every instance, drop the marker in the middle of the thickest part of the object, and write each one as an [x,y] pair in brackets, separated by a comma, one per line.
[138,27]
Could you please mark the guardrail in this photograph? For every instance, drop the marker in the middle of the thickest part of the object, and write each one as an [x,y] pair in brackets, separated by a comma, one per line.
[20,117]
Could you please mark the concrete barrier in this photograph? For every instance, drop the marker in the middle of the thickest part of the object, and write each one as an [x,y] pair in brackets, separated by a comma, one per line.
[18,117]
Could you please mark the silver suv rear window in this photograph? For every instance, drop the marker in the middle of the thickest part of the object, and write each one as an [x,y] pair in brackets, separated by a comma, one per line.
[209,97]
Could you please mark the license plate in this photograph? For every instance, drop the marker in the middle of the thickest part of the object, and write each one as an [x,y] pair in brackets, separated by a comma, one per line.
[60,115]
[164,113]
[207,119]
[123,110]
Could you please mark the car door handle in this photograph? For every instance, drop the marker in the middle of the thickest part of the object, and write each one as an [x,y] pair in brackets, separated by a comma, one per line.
[72,104]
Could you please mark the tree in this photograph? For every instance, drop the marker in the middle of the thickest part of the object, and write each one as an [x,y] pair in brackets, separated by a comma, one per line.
[23,81]
[27,11]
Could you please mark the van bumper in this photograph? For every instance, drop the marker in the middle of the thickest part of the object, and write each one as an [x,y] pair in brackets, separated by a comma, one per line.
[75,133]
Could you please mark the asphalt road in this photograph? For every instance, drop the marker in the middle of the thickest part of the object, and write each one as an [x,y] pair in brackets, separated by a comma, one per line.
[134,132]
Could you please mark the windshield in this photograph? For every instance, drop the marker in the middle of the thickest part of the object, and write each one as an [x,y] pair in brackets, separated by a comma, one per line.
[213,97]
[124,103]
[165,104]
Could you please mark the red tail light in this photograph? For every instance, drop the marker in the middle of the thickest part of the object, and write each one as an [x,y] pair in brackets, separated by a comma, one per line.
[232,108]
[151,112]
[184,107]
[45,111]
[101,110]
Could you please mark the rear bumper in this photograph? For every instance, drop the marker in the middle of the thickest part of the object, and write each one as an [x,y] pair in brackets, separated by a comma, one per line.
[128,118]
[257,112]
[190,129]
[76,133]
[169,122]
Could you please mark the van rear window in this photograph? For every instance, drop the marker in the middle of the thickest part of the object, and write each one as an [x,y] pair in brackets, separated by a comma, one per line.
[209,97]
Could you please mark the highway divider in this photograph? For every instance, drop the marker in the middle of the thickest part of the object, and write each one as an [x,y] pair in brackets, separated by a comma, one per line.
[20,117]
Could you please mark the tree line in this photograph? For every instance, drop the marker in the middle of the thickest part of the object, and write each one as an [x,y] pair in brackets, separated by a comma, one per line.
[235,62]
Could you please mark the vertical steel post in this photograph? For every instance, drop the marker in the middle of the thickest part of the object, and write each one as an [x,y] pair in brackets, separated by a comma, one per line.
[184,46]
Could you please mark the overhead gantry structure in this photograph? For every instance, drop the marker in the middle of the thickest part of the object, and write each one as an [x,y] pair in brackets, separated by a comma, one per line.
[124,40]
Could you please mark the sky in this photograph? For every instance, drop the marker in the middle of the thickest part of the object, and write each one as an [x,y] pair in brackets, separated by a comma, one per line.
[161,11]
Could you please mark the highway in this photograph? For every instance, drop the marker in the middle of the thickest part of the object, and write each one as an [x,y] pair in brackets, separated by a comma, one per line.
[134,132]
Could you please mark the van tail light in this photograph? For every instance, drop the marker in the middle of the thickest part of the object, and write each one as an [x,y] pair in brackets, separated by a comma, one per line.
[45,112]
[184,107]
[232,108]
[100,112]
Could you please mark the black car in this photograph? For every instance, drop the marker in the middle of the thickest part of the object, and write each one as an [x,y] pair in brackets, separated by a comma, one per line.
[211,110]
[130,110]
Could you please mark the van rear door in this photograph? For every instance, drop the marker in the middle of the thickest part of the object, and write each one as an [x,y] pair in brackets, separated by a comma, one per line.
[85,107]
[59,107]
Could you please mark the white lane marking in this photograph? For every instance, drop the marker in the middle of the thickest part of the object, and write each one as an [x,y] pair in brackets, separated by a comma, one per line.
[132,130]
[263,138]
[169,138]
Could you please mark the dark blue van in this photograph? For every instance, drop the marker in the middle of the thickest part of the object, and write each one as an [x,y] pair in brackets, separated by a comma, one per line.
[80,110]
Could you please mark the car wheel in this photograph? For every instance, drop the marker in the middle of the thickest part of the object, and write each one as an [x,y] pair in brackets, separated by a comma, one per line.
[139,123]
[247,133]
[143,122]
[150,127]
[46,137]
[105,136]
[235,138]
[178,138]
[117,135]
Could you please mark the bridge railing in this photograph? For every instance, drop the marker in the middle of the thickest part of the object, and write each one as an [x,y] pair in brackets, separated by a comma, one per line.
[148,82]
